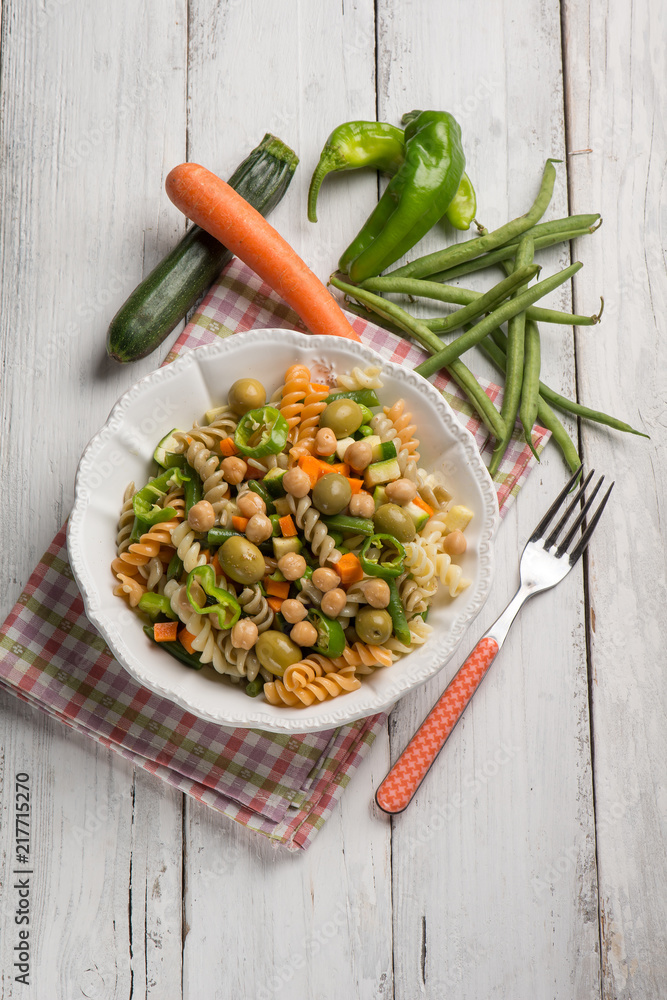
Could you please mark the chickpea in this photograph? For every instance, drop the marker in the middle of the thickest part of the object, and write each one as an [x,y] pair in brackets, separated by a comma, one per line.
[333,602]
[303,634]
[455,543]
[292,566]
[401,491]
[377,593]
[250,503]
[258,528]
[296,482]
[233,470]
[201,516]
[293,611]
[325,442]
[358,455]
[362,505]
[325,579]
[244,634]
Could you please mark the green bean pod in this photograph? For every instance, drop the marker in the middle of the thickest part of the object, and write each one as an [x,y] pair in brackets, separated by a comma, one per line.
[530,389]
[460,252]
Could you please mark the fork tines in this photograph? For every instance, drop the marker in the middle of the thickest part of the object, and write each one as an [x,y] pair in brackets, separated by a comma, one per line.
[579,498]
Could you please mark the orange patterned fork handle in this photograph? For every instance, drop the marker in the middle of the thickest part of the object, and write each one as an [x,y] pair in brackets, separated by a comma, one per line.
[407,774]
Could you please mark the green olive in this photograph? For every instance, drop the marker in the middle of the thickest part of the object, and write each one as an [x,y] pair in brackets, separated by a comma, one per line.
[343,416]
[373,625]
[241,560]
[390,519]
[332,494]
[276,651]
[246,394]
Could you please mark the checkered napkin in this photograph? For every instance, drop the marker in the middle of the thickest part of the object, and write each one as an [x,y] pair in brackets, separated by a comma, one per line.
[50,656]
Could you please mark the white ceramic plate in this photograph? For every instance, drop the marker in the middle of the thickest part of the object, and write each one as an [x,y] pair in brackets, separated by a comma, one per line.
[181,392]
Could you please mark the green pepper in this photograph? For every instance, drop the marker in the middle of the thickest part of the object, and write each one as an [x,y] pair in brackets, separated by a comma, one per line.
[261,432]
[226,603]
[260,489]
[176,650]
[364,397]
[194,488]
[463,206]
[397,614]
[415,198]
[353,525]
[307,575]
[146,511]
[353,145]
[374,560]
[156,604]
[275,523]
[367,414]
[330,635]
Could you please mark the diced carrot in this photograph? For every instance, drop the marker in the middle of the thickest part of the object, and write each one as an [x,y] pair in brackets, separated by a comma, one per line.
[424,506]
[240,523]
[276,588]
[342,468]
[315,386]
[228,448]
[349,569]
[311,466]
[275,603]
[186,639]
[287,526]
[356,485]
[165,631]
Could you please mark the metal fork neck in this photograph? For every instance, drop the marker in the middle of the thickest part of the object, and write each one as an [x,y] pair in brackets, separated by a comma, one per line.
[501,626]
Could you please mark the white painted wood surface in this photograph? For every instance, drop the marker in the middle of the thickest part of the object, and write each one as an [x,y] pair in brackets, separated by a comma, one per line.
[488,886]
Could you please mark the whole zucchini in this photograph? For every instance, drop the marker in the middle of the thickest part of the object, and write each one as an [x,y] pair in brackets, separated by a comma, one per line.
[163,298]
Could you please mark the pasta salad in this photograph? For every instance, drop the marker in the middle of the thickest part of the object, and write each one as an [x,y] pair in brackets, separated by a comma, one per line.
[294,545]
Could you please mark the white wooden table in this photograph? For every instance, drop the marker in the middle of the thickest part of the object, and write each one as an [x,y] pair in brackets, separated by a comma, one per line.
[532,863]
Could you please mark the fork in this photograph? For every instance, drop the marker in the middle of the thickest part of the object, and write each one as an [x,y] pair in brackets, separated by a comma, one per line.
[544,563]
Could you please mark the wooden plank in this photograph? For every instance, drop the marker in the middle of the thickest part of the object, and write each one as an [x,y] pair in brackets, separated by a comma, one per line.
[93,116]
[317,924]
[494,862]
[613,62]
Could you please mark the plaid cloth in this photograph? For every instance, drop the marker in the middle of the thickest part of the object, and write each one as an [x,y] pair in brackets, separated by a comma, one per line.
[50,656]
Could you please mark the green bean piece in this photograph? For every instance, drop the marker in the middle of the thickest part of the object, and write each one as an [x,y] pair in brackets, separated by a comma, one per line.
[516,327]
[404,323]
[455,295]
[253,688]
[530,390]
[459,252]
[570,405]
[507,252]
[545,414]
[481,303]
[493,319]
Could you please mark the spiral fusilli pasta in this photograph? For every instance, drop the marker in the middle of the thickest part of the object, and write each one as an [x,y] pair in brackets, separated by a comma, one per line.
[319,689]
[125,521]
[308,518]
[360,378]
[295,390]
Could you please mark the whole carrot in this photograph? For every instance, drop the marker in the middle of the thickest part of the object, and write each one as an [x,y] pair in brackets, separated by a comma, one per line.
[217,208]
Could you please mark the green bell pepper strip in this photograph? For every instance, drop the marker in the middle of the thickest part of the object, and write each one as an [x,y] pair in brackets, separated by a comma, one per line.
[146,511]
[194,488]
[156,604]
[353,525]
[374,565]
[261,432]
[175,567]
[307,575]
[227,604]
[330,635]
[260,489]
[366,414]
[364,397]
[275,523]
[415,198]
[176,650]
[354,145]
[397,614]
[463,206]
